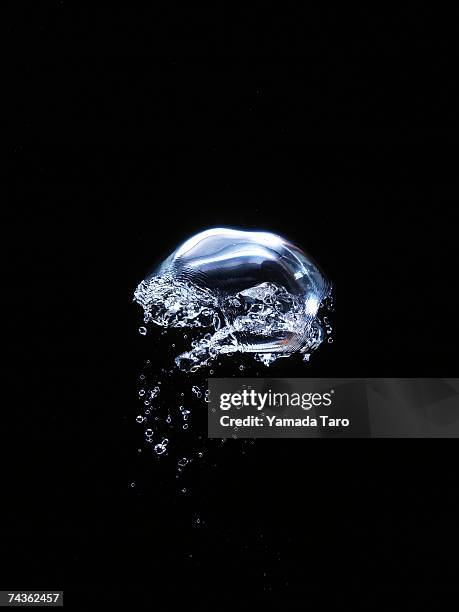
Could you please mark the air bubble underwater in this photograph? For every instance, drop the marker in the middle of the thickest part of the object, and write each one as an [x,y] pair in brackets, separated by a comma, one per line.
[222,296]
[238,292]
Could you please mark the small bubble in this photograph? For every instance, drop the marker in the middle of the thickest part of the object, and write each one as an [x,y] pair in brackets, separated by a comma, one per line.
[160,449]
[139,418]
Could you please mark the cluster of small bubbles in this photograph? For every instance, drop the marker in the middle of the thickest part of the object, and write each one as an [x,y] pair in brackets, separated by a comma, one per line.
[143,331]
[266,314]
[184,412]
[266,358]
[154,392]
[161,447]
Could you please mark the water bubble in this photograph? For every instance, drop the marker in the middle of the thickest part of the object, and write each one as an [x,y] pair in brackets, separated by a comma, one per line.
[250,292]
[197,391]
[160,448]
[143,331]
[139,418]
[154,392]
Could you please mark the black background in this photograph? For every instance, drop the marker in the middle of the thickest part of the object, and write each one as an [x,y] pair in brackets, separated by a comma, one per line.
[340,142]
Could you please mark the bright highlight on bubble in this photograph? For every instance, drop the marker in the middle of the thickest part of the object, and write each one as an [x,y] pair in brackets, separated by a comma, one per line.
[239,292]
